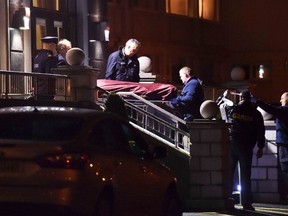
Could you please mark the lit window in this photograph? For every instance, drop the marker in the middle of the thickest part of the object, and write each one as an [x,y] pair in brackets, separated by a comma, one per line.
[57,5]
[40,31]
[208,9]
[179,7]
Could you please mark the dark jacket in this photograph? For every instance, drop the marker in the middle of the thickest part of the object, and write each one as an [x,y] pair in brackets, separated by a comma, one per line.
[122,68]
[43,63]
[61,61]
[190,99]
[281,114]
[247,127]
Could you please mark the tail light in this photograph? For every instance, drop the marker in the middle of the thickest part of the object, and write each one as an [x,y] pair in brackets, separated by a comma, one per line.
[63,160]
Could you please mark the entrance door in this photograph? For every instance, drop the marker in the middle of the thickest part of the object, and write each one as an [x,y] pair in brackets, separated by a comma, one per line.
[51,17]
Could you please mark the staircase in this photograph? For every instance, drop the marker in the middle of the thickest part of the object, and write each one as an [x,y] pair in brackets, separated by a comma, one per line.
[157,122]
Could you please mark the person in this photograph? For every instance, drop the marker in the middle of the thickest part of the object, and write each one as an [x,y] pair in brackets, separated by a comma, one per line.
[225,106]
[123,64]
[187,104]
[246,131]
[281,115]
[62,48]
[44,88]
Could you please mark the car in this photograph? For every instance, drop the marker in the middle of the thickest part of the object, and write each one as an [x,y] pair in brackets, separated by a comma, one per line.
[78,161]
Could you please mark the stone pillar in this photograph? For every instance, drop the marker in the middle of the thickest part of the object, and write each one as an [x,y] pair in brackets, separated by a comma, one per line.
[209,177]
[83,81]
[98,29]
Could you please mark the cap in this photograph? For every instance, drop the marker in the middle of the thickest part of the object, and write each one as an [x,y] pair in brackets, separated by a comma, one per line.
[50,39]
[245,94]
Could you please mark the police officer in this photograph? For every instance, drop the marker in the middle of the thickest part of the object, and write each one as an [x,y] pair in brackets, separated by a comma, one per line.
[123,64]
[247,130]
[44,87]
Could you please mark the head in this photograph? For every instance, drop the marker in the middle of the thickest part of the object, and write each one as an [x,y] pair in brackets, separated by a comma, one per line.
[63,46]
[131,47]
[185,74]
[49,43]
[284,99]
[245,95]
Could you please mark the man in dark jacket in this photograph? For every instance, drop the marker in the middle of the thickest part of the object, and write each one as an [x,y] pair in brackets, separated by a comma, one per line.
[123,64]
[188,103]
[247,130]
[281,114]
[44,87]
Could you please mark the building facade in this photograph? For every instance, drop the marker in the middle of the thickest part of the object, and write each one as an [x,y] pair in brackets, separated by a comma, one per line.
[216,38]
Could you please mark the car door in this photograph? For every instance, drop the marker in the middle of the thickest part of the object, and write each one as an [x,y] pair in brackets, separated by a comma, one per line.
[139,181]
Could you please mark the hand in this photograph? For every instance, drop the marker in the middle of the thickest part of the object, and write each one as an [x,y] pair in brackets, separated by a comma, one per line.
[259,153]
[174,101]
[169,104]
[55,53]
[253,99]
[226,93]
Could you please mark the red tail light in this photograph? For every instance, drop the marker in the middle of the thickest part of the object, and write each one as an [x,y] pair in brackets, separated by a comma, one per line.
[63,160]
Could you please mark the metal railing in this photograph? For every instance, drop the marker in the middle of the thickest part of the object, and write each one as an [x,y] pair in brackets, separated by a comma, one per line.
[157,121]
[20,85]
[143,113]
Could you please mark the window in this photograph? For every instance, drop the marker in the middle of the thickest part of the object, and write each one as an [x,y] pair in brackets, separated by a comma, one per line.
[124,138]
[136,145]
[42,24]
[40,31]
[181,7]
[38,127]
[101,135]
[51,17]
[207,9]
[57,5]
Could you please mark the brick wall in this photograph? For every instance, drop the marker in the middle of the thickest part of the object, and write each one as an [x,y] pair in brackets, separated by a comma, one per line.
[209,179]
[208,165]
[265,171]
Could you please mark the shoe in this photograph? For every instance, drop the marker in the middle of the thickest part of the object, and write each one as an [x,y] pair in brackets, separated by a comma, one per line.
[248,208]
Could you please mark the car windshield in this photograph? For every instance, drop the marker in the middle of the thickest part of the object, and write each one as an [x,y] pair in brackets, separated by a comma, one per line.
[39,127]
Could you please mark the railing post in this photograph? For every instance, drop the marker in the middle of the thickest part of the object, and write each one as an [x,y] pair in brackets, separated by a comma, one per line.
[7,86]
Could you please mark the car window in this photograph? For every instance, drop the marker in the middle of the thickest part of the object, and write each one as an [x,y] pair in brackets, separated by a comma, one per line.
[135,143]
[107,134]
[116,135]
[38,127]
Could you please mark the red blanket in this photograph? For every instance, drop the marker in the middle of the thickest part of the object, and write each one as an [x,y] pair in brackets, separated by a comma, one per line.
[149,91]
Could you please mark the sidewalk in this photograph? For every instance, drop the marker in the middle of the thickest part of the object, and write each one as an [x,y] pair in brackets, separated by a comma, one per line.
[261,210]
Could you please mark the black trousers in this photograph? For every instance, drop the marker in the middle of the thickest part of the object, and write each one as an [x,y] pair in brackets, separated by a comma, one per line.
[245,160]
[283,172]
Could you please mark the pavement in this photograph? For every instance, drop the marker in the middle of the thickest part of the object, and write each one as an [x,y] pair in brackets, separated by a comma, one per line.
[260,210]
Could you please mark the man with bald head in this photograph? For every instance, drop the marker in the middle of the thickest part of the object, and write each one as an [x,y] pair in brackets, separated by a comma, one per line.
[281,114]
[187,104]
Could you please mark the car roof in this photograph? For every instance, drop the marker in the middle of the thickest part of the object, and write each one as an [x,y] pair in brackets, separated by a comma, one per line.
[48,109]
[59,111]
[53,103]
